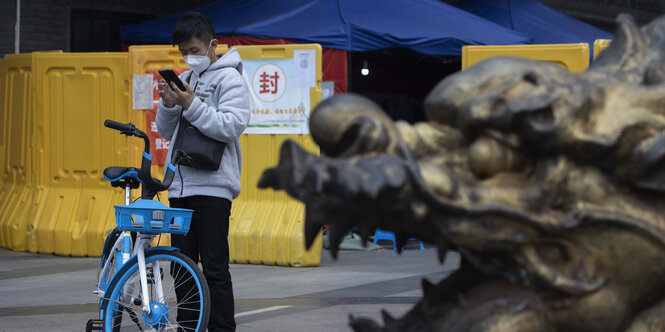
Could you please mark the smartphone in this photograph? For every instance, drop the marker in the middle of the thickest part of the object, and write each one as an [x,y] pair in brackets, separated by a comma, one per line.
[169,76]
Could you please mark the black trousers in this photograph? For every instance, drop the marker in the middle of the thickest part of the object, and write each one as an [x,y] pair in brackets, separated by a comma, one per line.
[208,239]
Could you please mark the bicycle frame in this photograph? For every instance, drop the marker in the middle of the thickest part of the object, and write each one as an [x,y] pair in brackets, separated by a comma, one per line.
[137,225]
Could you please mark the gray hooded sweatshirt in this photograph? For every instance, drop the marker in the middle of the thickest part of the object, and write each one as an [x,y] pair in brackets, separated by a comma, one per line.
[220,111]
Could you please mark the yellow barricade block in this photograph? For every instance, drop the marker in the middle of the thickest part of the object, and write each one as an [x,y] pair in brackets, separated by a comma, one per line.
[574,57]
[599,45]
[53,197]
[18,188]
[53,149]
[74,94]
[267,227]
[2,120]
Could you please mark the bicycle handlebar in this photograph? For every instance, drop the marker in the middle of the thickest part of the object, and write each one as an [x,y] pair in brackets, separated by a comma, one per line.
[150,185]
[123,127]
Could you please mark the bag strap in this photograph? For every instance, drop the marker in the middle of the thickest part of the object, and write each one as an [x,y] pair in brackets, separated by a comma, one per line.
[175,153]
[188,79]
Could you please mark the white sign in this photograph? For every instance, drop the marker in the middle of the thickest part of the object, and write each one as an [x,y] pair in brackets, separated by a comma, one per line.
[278,106]
[305,68]
[142,92]
[327,89]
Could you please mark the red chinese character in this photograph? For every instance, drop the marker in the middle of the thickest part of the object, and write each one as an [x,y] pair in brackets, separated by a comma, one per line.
[265,79]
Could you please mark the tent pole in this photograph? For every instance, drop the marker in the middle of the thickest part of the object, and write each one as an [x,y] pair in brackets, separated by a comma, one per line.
[17,27]
[349,70]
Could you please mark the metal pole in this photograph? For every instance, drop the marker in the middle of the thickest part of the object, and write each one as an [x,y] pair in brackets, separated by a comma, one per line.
[17,28]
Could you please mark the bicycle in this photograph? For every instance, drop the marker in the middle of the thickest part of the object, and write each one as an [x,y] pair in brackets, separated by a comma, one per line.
[137,283]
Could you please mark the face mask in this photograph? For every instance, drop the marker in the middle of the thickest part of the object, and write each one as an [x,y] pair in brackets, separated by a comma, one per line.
[198,63]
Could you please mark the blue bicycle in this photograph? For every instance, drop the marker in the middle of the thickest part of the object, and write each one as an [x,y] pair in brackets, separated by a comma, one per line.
[144,288]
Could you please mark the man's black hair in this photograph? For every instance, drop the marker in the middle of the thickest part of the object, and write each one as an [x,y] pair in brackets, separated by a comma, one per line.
[193,24]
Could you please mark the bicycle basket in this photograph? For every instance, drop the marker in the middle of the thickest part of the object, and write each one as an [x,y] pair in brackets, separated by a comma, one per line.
[152,217]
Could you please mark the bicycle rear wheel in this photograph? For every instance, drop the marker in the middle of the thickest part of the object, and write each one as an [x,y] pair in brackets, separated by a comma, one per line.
[188,310]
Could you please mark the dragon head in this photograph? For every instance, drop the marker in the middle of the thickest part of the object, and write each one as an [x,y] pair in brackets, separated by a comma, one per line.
[549,183]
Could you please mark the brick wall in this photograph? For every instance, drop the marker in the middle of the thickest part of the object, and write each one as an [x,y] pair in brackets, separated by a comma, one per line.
[45,24]
[7,22]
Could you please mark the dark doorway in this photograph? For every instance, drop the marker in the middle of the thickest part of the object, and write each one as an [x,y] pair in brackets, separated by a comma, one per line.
[399,79]
[100,30]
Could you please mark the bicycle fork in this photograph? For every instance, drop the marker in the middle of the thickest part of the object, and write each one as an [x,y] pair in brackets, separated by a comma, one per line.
[142,244]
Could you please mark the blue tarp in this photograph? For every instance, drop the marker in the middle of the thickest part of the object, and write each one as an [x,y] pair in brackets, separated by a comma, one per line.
[546,25]
[426,26]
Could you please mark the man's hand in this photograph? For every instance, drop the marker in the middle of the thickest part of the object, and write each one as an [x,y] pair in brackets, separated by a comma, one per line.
[172,96]
[183,98]
[167,94]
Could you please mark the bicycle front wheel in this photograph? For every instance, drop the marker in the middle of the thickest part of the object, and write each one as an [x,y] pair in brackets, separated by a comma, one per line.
[185,302]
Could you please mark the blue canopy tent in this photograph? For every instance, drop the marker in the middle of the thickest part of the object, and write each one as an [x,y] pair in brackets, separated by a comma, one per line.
[346,27]
[546,25]
[426,26]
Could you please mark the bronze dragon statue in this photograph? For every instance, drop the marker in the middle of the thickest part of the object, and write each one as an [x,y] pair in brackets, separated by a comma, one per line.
[551,184]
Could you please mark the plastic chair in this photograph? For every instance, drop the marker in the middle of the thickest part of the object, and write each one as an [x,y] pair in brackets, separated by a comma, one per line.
[390,236]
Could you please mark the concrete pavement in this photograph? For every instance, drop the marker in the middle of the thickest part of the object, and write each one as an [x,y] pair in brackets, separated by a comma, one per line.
[51,293]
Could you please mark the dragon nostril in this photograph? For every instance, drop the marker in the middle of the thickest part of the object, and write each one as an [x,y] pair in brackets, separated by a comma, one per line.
[542,119]
[349,138]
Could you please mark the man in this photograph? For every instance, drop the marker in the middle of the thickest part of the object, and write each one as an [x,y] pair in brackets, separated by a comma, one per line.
[218,106]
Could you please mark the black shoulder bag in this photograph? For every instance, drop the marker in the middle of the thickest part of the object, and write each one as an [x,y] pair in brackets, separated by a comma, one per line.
[194,149]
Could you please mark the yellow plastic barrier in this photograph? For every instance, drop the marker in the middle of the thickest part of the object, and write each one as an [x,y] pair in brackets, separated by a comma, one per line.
[574,57]
[268,227]
[54,199]
[2,120]
[17,190]
[53,149]
[265,227]
[599,45]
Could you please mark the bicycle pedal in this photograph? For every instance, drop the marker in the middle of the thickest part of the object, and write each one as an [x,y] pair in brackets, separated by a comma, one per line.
[94,325]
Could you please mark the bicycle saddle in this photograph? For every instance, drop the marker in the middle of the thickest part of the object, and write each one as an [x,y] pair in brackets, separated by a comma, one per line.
[116,173]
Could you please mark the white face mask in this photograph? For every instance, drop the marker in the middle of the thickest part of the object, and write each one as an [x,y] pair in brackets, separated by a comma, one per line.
[198,63]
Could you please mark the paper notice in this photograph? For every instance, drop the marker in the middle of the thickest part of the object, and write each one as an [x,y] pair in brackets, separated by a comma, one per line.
[304,64]
[327,89]
[142,92]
